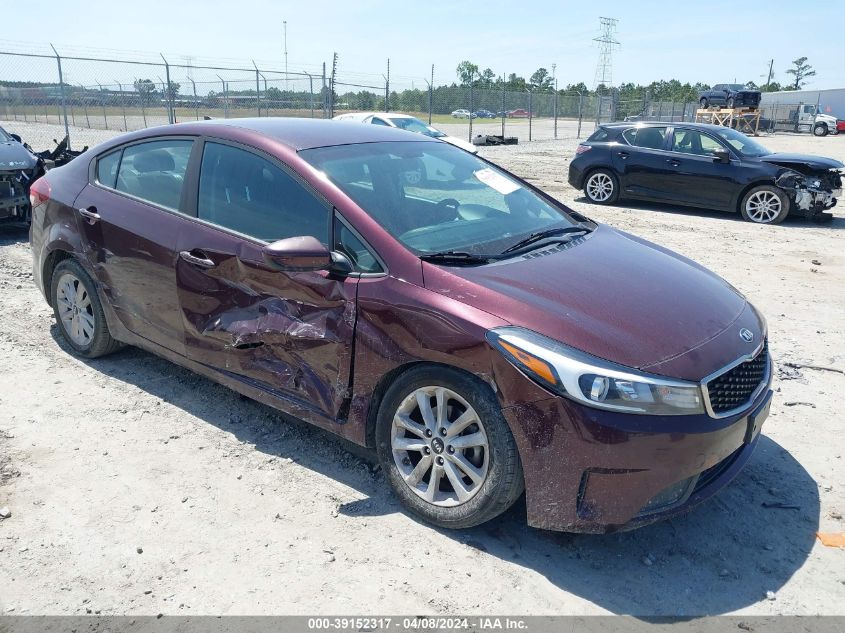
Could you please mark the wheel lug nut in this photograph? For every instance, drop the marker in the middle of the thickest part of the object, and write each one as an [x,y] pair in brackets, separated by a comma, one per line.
[427,450]
[451,449]
[443,432]
[440,461]
[428,432]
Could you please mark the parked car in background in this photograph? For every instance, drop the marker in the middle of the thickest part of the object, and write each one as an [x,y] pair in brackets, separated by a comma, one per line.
[405,122]
[289,260]
[729,96]
[518,113]
[708,166]
[19,167]
[463,114]
[485,114]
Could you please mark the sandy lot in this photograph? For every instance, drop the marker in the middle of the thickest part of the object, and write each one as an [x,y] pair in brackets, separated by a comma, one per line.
[137,487]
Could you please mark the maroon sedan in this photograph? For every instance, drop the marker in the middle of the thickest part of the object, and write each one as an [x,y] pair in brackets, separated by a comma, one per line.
[482,337]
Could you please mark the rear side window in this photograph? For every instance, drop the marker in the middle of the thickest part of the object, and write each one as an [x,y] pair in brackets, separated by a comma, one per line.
[155,171]
[378,121]
[647,137]
[599,135]
[107,169]
[244,192]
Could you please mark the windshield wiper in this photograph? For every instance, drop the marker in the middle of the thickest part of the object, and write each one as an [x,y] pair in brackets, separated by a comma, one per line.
[461,257]
[541,235]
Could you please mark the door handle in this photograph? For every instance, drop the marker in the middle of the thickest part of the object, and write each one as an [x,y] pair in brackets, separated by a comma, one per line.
[674,162]
[622,155]
[200,259]
[90,214]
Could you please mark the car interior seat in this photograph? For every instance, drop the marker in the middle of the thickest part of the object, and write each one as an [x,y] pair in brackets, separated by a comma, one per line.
[650,137]
[154,179]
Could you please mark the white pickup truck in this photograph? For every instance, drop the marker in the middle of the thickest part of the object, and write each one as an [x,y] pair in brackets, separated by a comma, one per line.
[811,120]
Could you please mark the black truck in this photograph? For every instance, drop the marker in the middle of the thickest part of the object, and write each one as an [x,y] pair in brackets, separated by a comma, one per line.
[729,96]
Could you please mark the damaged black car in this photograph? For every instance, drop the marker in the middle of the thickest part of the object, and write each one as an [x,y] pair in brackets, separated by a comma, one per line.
[706,166]
[19,167]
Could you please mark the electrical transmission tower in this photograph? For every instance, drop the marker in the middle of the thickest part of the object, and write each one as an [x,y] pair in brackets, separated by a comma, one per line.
[607,42]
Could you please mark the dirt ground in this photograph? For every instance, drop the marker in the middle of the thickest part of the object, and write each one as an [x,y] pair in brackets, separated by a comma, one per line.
[136,487]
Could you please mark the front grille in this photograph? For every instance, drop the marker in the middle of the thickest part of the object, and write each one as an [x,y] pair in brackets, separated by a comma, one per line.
[735,387]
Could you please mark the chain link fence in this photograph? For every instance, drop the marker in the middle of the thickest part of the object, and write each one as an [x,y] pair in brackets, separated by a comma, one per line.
[92,99]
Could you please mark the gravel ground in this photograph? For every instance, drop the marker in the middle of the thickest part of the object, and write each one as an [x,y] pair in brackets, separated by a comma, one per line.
[136,487]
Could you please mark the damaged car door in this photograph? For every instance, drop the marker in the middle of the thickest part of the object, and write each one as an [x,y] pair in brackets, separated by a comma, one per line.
[287,332]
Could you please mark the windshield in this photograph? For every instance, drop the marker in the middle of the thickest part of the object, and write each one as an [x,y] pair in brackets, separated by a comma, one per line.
[434,197]
[415,125]
[4,136]
[736,87]
[741,143]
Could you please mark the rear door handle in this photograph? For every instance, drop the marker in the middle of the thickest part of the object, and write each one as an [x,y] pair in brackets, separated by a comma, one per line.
[674,162]
[197,258]
[90,214]
[622,155]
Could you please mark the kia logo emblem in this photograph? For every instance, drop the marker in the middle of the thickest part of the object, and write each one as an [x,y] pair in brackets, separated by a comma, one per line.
[746,335]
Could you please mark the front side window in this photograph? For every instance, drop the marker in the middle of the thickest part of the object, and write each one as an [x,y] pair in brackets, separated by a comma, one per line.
[244,192]
[694,142]
[741,143]
[647,137]
[434,197]
[155,171]
[350,244]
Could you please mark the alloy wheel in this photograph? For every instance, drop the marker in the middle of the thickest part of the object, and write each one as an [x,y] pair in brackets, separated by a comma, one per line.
[76,312]
[440,446]
[763,206]
[600,187]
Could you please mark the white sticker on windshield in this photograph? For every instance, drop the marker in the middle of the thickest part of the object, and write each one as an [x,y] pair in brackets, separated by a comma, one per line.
[496,181]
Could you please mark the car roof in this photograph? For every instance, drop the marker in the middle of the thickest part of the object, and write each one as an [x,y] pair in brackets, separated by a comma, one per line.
[302,134]
[706,127]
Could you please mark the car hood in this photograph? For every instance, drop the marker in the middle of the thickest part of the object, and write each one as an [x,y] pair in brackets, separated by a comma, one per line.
[13,155]
[815,162]
[457,142]
[612,295]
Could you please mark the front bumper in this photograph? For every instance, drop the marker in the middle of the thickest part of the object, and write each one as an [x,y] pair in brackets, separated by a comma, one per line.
[599,471]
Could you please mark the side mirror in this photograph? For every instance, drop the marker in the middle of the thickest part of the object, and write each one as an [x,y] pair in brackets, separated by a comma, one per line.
[298,254]
[722,155]
[16,137]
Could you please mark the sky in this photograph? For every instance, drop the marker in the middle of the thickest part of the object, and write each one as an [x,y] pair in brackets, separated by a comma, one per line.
[712,42]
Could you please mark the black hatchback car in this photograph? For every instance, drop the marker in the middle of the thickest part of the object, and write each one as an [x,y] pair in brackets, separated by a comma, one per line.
[708,166]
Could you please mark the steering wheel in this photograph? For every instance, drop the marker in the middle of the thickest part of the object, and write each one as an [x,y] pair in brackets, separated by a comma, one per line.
[449,203]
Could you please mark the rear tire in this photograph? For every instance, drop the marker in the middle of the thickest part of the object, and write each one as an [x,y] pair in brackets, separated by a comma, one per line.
[765,205]
[601,187]
[461,442]
[79,313]
[704,103]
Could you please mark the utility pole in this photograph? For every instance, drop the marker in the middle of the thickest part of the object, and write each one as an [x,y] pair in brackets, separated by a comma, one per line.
[607,42]
[769,79]
[285,27]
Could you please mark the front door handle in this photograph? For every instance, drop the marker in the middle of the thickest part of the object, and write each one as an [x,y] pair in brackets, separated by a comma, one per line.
[197,258]
[90,214]
[674,162]
[622,155]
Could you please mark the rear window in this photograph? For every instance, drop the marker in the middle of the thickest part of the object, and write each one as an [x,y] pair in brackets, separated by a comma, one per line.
[599,135]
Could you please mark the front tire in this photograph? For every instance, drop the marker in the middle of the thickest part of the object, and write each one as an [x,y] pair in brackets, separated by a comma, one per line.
[820,129]
[704,103]
[446,449]
[765,205]
[79,313]
[602,187]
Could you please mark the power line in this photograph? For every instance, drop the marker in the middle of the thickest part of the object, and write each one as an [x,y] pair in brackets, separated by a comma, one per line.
[607,42]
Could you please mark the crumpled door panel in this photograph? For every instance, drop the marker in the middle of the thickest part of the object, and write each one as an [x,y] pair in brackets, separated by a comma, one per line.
[290,332]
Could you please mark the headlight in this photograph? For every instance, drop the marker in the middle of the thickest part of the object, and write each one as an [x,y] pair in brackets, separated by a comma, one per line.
[594,381]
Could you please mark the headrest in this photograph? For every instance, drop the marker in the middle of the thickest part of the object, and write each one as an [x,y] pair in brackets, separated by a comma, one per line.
[155,160]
